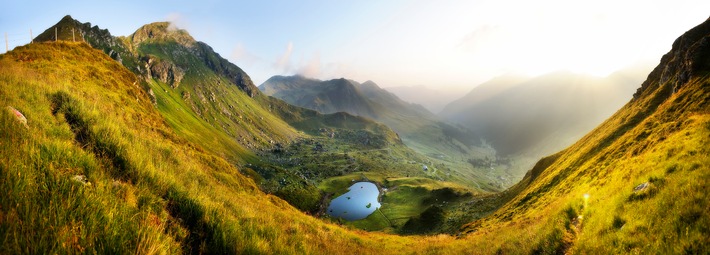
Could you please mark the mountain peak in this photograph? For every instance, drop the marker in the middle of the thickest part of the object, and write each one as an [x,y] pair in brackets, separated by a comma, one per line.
[370,83]
[69,29]
[163,31]
[67,18]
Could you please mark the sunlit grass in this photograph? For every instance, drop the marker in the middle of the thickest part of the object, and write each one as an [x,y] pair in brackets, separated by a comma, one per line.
[156,190]
[151,191]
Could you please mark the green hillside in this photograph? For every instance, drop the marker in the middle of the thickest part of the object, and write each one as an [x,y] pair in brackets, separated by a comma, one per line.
[287,150]
[98,169]
[91,162]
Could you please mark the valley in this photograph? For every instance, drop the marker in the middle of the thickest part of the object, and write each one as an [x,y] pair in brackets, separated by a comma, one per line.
[288,151]
[449,148]
[154,143]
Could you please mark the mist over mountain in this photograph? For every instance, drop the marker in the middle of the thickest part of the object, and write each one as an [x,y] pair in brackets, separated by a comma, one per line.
[433,99]
[541,115]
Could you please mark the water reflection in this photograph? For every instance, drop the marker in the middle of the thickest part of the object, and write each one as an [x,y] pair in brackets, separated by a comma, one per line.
[359,202]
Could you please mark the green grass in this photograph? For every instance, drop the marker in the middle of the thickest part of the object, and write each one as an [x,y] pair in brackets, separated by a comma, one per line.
[152,190]
[143,193]
[402,199]
[666,146]
[156,190]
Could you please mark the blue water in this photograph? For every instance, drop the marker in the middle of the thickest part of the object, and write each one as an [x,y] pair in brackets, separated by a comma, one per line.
[359,202]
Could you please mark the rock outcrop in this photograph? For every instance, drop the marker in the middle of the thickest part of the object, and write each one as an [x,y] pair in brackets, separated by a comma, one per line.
[163,71]
[18,115]
[162,32]
[69,29]
[689,57]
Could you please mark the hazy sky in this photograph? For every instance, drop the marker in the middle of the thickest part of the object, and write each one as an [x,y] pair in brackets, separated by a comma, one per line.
[395,43]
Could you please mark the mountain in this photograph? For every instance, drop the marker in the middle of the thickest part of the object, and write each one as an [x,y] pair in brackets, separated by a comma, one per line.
[433,99]
[99,169]
[181,73]
[341,95]
[541,115]
[214,105]
[450,147]
[91,163]
[288,151]
[363,99]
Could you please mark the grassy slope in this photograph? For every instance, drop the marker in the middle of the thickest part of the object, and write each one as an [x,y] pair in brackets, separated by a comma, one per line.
[153,191]
[222,117]
[207,109]
[658,138]
[131,207]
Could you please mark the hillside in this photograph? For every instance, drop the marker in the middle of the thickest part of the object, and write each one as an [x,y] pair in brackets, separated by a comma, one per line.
[635,184]
[98,169]
[287,150]
[90,164]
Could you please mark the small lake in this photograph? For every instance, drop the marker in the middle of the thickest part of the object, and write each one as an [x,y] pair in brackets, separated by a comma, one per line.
[359,202]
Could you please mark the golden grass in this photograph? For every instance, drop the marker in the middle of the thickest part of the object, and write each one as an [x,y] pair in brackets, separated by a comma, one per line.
[155,192]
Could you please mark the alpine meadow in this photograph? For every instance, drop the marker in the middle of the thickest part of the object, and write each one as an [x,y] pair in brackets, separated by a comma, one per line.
[154,143]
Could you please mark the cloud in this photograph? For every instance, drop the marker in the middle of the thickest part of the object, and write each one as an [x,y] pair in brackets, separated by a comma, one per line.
[283,63]
[242,56]
[177,21]
[312,68]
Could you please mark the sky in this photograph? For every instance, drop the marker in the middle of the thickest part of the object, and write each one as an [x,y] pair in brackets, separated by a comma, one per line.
[396,43]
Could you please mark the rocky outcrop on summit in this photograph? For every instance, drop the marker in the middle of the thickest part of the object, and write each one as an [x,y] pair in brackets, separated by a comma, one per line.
[173,64]
[689,57]
[162,31]
[69,29]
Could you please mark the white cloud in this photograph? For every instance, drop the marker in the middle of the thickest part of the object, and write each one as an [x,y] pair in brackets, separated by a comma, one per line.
[283,63]
[177,21]
[240,55]
[312,68]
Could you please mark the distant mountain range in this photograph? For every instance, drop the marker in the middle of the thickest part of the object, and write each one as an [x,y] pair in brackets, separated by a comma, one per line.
[433,99]
[418,127]
[342,95]
[522,118]
[539,116]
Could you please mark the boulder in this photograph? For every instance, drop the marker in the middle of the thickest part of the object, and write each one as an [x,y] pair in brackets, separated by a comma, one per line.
[641,187]
[81,179]
[18,115]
